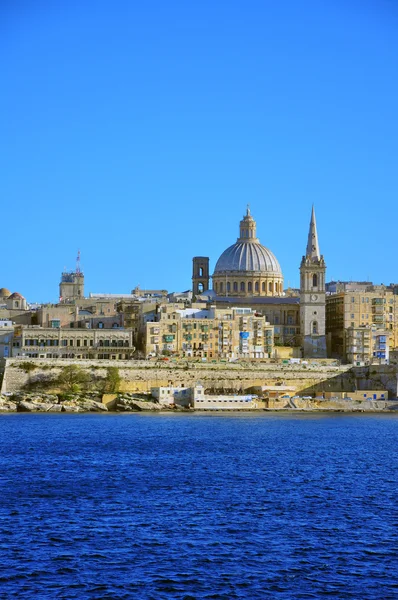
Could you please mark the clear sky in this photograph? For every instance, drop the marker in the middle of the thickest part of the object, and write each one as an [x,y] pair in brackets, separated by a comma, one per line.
[137,132]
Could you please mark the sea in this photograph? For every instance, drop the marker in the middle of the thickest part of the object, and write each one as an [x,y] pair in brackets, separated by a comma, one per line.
[192,506]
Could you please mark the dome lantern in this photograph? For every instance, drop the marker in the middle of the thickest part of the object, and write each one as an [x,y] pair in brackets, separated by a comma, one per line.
[247,268]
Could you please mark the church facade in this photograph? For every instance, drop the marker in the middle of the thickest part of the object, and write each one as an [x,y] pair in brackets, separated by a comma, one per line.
[247,274]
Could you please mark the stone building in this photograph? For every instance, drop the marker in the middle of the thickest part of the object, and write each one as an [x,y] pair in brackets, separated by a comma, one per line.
[248,275]
[50,342]
[375,306]
[208,333]
[247,269]
[366,344]
[313,297]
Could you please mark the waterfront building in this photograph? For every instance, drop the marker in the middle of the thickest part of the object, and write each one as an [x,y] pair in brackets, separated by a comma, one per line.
[52,342]
[248,275]
[366,345]
[207,333]
[375,306]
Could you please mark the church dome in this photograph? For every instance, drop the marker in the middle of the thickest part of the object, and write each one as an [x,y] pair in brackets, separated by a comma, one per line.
[247,256]
[4,293]
[247,268]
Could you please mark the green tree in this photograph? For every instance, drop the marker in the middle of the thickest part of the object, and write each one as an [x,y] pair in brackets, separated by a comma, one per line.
[112,380]
[72,378]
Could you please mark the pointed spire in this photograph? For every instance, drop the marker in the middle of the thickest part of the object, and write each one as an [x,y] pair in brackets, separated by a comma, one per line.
[312,244]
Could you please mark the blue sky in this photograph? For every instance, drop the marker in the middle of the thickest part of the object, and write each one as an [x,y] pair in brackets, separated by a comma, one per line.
[137,132]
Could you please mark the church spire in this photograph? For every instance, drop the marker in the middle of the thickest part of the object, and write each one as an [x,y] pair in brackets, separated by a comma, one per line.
[312,244]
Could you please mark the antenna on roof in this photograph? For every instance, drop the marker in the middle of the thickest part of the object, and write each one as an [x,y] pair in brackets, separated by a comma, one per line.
[78,271]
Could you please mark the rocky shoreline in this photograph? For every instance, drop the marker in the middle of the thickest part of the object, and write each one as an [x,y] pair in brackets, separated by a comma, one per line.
[77,403]
[129,402]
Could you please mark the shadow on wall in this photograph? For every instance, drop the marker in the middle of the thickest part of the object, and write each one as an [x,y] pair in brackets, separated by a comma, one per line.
[373,377]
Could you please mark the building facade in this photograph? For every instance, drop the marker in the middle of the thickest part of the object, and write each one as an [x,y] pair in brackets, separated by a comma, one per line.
[366,345]
[248,269]
[376,306]
[208,333]
[313,297]
[52,342]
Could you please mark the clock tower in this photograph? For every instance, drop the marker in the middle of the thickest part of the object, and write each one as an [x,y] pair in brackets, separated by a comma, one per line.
[312,297]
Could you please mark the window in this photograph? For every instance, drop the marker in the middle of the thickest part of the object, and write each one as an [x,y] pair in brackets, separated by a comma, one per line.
[256,287]
[235,286]
[221,287]
[352,299]
[315,280]
[270,287]
[100,325]
[228,286]
[263,286]
[242,286]
[315,327]
[250,287]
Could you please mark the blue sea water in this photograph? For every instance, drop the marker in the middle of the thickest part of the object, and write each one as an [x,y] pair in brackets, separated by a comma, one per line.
[198,506]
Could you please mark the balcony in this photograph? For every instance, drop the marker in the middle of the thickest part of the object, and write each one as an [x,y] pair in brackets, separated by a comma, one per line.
[168,338]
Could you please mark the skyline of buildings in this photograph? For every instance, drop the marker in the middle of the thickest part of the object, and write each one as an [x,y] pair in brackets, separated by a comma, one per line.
[320,319]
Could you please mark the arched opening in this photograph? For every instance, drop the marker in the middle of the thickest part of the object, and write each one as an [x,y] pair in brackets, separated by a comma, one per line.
[221,287]
[228,286]
[256,286]
[263,288]
[315,327]
[249,286]
[315,280]
[270,287]
[276,287]
[242,286]
[235,286]
[200,288]
[200,271]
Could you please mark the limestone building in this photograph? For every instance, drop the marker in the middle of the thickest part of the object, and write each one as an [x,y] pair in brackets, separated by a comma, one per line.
[373,306]
[71,286]
[313,297]
[53,342]
[248,275]
[247,269]
[208,333]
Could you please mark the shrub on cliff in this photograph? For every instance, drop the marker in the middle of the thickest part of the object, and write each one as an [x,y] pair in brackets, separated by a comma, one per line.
[27,366]
[112,380]
[72,378]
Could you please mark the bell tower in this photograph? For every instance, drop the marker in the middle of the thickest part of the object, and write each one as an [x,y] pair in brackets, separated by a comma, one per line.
[200,275]
[313,297]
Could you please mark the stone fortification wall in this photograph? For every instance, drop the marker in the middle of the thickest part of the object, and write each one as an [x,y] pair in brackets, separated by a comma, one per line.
[140,376]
